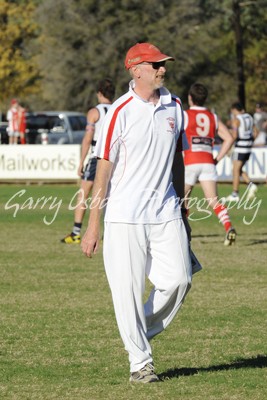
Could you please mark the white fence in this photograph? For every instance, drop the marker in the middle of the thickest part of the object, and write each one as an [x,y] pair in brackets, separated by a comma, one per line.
[60,162]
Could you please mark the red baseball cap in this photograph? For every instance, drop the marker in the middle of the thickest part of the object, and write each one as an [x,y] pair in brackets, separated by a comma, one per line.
[142,52]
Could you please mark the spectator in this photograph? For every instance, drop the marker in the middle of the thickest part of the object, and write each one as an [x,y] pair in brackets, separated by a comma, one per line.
[13,122]
[22,123]
[260,121]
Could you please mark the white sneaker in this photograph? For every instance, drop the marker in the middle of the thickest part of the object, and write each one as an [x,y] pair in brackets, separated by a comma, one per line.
[252,191]
[144,375]
[232,197]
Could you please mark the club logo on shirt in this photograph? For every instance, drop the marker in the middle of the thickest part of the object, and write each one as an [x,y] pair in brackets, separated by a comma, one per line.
[171,122]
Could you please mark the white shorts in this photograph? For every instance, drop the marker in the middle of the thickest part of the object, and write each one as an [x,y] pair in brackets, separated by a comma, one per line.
[199,172]
[13,133]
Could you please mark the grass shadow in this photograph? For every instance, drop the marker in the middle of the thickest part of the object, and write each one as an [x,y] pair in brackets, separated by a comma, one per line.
[255,362]
[257,242]
[205,236]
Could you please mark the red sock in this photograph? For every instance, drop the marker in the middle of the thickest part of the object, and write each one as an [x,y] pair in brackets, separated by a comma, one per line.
[223,216]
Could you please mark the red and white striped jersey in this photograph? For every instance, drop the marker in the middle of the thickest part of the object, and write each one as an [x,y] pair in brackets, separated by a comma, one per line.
[200,126]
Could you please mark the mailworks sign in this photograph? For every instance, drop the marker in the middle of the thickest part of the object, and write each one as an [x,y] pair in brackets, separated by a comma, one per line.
[39,162]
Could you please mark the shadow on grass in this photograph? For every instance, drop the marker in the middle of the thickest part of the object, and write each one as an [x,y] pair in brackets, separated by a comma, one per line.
[205,236]
[257,242]
[255,362]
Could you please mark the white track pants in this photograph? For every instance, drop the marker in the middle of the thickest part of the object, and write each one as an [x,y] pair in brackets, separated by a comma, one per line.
[130,252]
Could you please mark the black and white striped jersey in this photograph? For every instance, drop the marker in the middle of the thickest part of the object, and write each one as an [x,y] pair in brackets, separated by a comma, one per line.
[244,139]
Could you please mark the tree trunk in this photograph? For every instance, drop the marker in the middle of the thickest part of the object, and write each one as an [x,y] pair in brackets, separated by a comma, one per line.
[239,52]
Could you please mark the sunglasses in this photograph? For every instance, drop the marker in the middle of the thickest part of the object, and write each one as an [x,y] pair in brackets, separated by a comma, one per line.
[155,65]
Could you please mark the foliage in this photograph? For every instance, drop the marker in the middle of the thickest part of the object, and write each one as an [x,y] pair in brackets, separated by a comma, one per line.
[255,25]
[19,73]
[82,41]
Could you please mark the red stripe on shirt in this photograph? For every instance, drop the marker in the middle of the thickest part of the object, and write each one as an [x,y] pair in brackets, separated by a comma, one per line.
[111,128]
[176,100]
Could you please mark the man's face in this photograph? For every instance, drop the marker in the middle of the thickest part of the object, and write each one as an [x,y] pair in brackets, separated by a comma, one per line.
[152,73]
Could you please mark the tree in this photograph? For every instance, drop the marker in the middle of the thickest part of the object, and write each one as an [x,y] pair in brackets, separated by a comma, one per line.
[19,73]
[239,51]
[84,40]
[78,42]
[254,23]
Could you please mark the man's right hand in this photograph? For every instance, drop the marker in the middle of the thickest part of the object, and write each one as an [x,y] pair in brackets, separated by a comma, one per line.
[90,243]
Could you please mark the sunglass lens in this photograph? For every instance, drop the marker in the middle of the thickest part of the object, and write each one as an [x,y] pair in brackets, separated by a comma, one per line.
[157,65]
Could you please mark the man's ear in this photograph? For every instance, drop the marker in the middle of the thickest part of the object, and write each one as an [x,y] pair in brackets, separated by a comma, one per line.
[135,71]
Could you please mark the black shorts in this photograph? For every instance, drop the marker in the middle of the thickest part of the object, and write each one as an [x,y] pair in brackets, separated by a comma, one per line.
[90,170]
[241,157]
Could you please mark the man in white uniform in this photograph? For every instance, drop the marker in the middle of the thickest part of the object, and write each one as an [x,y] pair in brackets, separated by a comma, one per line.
[144,229]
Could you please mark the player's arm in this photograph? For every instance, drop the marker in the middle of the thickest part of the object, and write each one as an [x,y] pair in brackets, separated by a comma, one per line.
[227,140]
[90,241]
[92,118]
[234,128]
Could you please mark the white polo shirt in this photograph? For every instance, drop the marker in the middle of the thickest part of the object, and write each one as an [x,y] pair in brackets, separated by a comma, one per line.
[140,139]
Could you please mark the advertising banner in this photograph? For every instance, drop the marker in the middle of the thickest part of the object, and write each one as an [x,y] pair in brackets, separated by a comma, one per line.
[60,162]
[256,167]
[49,162]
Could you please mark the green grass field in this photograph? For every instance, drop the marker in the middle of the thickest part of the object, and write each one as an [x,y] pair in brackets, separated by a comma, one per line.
[58,335]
